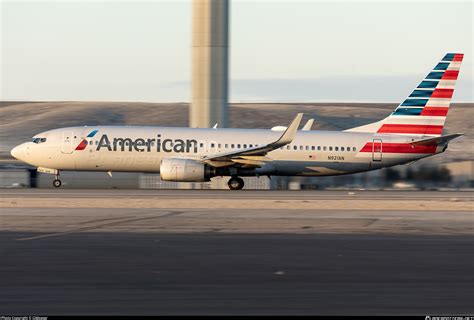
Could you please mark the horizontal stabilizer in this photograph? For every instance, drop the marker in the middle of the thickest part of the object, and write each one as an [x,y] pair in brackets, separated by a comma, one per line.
[436,140]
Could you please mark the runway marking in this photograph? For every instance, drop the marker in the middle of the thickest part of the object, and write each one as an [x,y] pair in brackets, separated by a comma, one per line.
[82,229]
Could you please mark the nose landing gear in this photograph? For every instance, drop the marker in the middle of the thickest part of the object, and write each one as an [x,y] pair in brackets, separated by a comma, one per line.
[56,182]
[235,183]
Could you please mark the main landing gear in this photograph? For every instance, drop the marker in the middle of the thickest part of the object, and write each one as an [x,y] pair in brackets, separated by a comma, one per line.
[235,183]
[56,182]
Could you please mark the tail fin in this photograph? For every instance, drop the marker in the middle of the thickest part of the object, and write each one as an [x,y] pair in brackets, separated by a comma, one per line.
[424,111]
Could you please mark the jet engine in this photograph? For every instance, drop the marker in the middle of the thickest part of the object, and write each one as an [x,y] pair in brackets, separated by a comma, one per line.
[185,170]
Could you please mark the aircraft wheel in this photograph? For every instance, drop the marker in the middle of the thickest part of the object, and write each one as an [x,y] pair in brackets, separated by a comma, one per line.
[235,183]
[56,183]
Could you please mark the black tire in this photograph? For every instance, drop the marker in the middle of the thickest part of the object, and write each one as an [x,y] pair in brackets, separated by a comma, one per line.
[235,183]
[57,183]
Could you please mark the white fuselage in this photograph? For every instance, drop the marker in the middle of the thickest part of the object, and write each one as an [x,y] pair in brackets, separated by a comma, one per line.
[141,149]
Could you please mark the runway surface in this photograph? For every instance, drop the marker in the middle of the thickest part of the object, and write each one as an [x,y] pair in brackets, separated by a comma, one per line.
[58,212]
[242,194]
[221,252]
[276,274]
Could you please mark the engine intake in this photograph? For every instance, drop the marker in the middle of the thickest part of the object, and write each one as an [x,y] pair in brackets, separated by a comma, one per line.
[184,170]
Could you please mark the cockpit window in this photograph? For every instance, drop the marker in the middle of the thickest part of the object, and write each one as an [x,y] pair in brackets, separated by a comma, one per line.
[39,140]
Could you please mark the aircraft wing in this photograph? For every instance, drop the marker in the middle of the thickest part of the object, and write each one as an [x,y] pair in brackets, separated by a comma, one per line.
[436,140]
[255,155]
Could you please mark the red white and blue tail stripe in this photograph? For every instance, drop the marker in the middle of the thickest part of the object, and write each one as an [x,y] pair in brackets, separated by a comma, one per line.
[424,111]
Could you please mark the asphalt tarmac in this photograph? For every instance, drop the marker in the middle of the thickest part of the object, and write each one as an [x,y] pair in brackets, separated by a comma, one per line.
[123,252]
[128,274]
[59,212]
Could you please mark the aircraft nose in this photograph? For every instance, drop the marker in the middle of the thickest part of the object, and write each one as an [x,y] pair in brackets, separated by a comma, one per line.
[18,152]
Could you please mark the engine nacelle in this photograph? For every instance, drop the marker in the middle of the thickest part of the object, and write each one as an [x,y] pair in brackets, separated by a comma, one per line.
[184,170]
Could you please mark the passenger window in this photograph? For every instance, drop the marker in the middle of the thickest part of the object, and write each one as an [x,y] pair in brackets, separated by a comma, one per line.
[336,148]
[201,145]
[226,145]
[319,148]
[313,148]
[295,148]
[238,146]
[354,149]
[288,147]
[245,146]
[212,145]
[307,148]
[342,148]
[232,146]
[330,148]
[324,148]
[219,145]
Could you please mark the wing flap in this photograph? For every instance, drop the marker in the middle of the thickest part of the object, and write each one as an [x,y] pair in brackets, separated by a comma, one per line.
[218,164]
[255,163]
[256,158]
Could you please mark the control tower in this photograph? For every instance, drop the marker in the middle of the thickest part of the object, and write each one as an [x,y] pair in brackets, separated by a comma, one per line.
[210,63]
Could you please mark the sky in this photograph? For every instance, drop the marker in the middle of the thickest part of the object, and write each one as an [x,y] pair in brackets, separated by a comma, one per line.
[280,51]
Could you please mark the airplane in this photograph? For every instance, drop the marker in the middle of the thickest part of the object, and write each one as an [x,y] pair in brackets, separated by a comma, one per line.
[411,132]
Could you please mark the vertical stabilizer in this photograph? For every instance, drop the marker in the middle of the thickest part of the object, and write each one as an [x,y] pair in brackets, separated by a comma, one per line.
[424,111]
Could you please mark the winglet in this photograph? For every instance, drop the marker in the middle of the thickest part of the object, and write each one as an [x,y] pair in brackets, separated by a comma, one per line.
[290,132]
[225,158]
[308,125]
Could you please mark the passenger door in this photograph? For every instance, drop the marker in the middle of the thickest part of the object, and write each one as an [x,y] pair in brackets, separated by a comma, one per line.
[67,142]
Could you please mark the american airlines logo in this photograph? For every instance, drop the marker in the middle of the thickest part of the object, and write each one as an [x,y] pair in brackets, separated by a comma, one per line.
[84,143]
[148,145]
